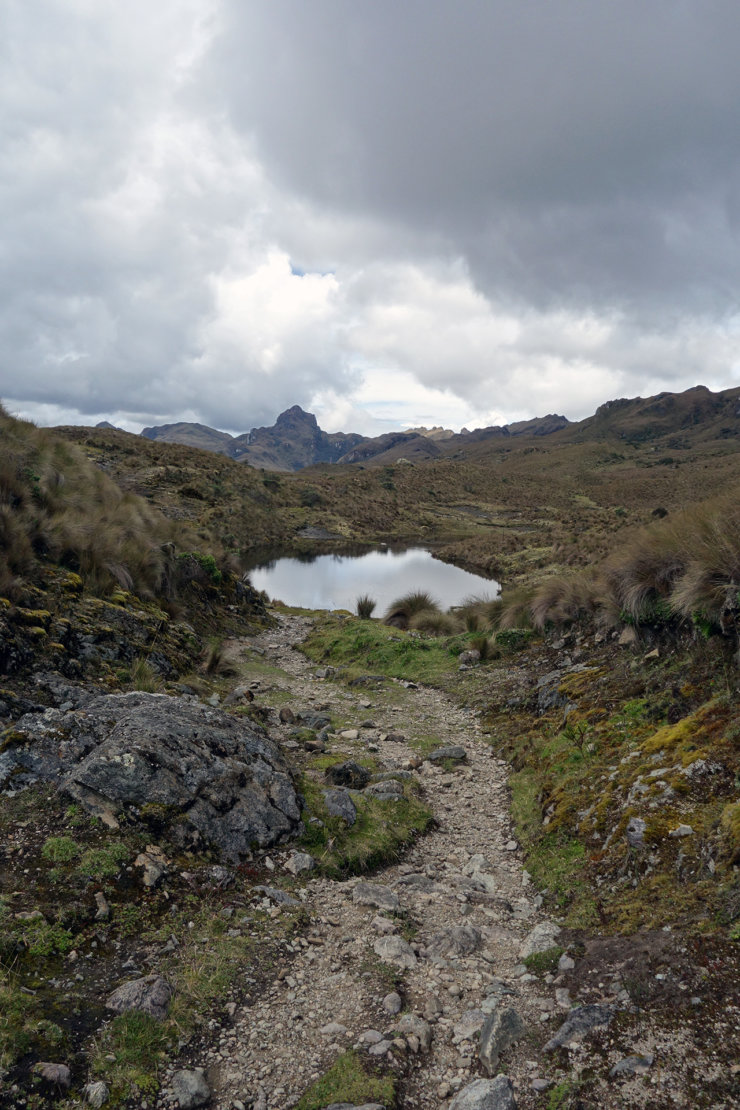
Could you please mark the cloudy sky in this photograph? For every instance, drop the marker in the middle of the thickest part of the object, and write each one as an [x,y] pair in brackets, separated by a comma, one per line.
[391,212]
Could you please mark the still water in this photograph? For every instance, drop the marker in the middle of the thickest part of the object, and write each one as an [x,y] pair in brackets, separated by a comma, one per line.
[336,581]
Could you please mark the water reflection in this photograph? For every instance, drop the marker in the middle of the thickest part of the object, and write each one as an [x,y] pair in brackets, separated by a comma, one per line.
[336,581]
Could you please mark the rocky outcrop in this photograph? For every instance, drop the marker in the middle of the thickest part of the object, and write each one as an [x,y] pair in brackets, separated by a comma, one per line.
[223,781]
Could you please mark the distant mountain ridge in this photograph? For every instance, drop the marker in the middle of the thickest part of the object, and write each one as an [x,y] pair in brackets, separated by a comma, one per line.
[296,441]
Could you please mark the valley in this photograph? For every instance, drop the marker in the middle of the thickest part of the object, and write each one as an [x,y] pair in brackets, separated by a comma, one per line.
[489,854]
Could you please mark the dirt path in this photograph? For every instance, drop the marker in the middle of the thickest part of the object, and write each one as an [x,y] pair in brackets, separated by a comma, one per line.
[282,1043]
[466,910]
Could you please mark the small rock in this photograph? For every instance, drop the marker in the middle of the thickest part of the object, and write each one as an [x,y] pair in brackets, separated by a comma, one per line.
[542,937]
[154,862]
[384,925]
[411,1025]
[96,1094]
[102,913]
[578,1023]
[374,894]
[565,963]
[53,1073]
[333,1029]
[452,751]
[469,1025]
[150,995]
[392,1003]
[635,832]
[682,830]
[395,950]
[501,1029]
[485,1094]
[339,804]
[455,940]
[298,862]
[540,1085]
[287,716]
[190,1089]
[632,1065]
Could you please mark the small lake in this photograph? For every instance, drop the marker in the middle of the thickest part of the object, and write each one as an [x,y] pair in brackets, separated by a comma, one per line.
[336,581]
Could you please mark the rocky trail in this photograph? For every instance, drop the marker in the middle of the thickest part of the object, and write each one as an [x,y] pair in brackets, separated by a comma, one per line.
[420,969]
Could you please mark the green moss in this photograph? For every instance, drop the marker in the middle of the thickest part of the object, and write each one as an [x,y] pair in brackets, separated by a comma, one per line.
[539,963]
[60,849]
[348,1081]
[105,862]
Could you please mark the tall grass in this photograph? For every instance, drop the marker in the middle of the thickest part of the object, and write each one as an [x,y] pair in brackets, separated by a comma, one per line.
[686,567]
[401,611]
[56,506]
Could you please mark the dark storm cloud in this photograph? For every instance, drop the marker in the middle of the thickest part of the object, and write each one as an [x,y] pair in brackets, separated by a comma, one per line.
[571,151]
[214,209]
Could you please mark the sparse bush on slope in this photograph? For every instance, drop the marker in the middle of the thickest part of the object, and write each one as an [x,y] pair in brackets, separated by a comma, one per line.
[400,611]
[55,506]
[686,567]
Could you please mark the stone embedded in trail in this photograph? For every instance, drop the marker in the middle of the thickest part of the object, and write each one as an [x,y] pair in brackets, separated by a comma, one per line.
[541,938]
[395,950]
[469,1025]
[339,804]
[226,784]
[411,1025]
[190,1089]
[392,1003]
[388,790]
[501,1029]
[486,1094]
[455,940]
[452,751]
[632,1065]
[419,882]
[578,1023]
[349,774]
[150,995]
[374,894]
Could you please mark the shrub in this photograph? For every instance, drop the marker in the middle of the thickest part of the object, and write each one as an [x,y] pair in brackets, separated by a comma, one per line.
[400,611]
[436,622]
[365,606]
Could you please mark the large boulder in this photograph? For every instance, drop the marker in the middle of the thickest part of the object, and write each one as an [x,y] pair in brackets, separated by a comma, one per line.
[225,783]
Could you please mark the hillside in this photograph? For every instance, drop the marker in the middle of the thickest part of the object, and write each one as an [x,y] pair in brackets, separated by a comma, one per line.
[543,790]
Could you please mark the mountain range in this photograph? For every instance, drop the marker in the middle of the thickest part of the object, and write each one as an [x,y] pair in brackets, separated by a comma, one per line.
[296,441]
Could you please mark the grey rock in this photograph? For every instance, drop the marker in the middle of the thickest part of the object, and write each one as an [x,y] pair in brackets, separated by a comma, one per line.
[501,1029]
[451,751]
[635,832]
[392,1003]
[469,1025]
[395,950]
[316,721]
[417,1027]
[681,830]
[298,862]
[59,1074]
[348,774]
[374,894]
[632,1065]
[226,784]
[578,1023]
[420,882]
[352,1106]
[542,937]
[469,658]
[339,804]
[96,1094]
[455,940]
[380,1048]
[190,1089]
[388,790]
[150,995]
[549,695]
[275,894]
[486,1094]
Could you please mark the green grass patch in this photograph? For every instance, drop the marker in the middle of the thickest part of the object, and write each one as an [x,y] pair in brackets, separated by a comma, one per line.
[363,647]
[138,1044]
[378,834]
[540,963]
[348,1081]
[105,862]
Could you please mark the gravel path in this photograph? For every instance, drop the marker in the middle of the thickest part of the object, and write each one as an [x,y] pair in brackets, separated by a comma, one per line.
[466,872]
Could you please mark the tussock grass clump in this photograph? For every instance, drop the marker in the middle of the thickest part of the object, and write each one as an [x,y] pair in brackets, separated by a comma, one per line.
[435,622]
[365,606]
[56,506]
[400,611]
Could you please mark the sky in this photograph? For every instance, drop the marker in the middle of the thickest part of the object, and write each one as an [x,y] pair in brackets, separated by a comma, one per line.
[428,212]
